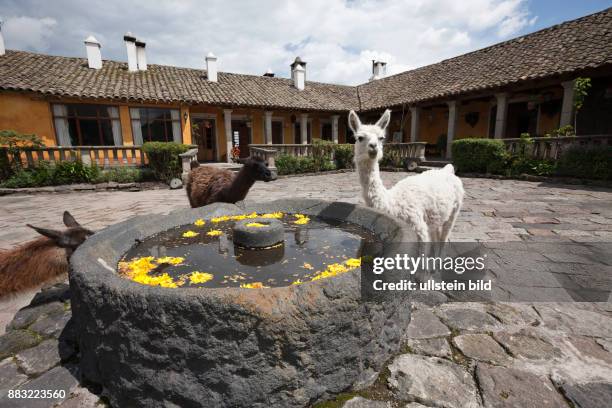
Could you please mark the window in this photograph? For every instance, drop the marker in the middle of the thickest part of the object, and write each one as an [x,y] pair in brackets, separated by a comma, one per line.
[155,125]
[87,125]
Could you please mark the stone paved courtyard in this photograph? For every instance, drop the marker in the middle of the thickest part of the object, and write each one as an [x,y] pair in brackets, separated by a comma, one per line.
[456,354]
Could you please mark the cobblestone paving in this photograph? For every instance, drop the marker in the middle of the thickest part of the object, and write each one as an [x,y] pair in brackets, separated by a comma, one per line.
[456,354]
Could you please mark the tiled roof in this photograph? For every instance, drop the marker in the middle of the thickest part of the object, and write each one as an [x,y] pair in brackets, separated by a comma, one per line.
[63,76]
[559,50]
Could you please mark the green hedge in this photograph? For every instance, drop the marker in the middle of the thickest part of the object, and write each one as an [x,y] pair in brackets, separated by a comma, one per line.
[479,155]
[46,174]
[343,156]
[288,164]
[590,163]
[490,156]
[164,159]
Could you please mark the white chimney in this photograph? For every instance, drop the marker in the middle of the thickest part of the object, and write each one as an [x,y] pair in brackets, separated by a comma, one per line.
[141,56]
[2,49]
[298,63]
[379,70]
[94,56]
[299,77]
[130,45]
[211,67]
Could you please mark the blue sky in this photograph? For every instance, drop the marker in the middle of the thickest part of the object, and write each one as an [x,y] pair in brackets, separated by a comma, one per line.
[337,38]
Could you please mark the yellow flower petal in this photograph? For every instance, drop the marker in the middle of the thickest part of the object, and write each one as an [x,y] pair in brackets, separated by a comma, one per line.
[353,262]
[200,277]
[190,234]
[256,225]
[254,285]
[172,260]
[302,220]
[214,233]
[199,222]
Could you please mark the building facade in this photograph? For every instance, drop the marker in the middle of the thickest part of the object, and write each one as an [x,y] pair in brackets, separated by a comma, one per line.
[522,85]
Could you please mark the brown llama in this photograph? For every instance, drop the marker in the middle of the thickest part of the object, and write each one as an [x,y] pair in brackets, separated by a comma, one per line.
[42,260]
[207,184]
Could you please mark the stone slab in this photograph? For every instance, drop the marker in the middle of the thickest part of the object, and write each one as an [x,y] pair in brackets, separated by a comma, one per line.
[437,347]
[10,376]
[481,347]
[58,378]
[507,387]
[528,344]
[425,324]
[590,395]
[37,360]
[432,381]
[466,319]
[16,340]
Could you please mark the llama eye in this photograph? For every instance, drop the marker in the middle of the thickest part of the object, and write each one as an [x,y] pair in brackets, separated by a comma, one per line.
[360,138]
[381,138]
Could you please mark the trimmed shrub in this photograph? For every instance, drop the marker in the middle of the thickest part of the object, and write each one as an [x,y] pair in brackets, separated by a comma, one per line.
[73,172]
[343,156]
[288,164]
[321,154]
[46,174]
[164,159]
[589,163]
[479,155]
[13,143]
[391,158]
[125,175]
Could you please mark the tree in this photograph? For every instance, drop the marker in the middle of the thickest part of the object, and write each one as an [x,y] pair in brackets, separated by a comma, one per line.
[581,91]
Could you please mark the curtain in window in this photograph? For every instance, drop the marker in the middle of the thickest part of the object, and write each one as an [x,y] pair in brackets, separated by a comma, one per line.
[176,126]
[136,129]
[113,113]
[61,125]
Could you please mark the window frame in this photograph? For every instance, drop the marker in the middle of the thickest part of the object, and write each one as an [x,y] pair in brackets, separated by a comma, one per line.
[147,137]
[78,119]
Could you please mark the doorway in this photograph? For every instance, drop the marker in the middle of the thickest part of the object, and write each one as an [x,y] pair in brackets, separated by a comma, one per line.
[241,136]
[203,131]
[522,118]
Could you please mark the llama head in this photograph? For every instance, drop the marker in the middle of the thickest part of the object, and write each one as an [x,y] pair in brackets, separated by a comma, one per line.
[369,138]
[258,169]
[69,238]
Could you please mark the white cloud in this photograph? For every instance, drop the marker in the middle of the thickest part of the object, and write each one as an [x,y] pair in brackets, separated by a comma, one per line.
[337,38]
[29,33]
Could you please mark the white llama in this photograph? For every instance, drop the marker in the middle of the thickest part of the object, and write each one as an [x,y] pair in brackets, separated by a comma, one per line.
[430,201]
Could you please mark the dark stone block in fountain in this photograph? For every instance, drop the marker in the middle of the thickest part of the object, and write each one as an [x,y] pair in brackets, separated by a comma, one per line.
[230,347]
[258,232]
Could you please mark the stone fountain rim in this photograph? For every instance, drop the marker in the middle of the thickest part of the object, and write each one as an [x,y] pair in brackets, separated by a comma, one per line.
[107,246]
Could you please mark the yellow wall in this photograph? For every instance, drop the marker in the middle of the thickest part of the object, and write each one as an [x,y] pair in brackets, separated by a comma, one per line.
[26,114]
[481,128]
[433,122]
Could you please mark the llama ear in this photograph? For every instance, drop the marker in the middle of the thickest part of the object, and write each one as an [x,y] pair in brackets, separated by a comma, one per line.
[69,220]
[49,233]
[354,122]
[384,120]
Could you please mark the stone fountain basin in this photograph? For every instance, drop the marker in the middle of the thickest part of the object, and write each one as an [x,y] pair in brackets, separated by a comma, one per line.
[230,347]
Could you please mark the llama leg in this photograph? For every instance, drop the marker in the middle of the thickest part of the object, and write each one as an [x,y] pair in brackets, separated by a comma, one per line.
[448,225]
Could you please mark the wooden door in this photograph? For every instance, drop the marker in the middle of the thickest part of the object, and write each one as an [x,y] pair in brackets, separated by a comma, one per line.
[203,131]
